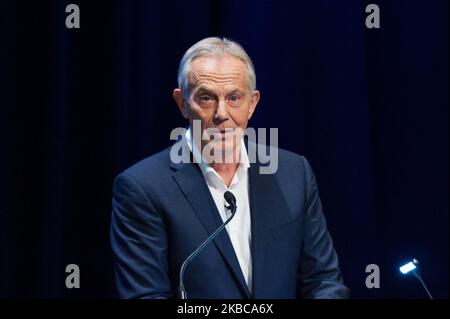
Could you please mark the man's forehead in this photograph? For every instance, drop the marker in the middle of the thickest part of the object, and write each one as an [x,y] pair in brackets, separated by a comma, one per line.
[218,66]
[231,88]
[206,71]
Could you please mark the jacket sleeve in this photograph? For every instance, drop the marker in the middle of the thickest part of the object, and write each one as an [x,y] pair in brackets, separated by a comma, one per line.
[139,243]
[319,276]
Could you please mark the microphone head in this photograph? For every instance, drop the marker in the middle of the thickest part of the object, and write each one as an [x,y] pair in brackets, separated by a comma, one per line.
[229,197]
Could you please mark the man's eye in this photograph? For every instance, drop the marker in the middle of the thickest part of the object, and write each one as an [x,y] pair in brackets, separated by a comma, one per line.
[205,98]
[234,98]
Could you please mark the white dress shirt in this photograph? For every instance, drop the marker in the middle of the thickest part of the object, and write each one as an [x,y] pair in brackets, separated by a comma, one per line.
[239,228]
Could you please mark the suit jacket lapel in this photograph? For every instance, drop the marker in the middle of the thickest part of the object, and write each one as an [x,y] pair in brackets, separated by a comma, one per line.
[192,183]
[268,209]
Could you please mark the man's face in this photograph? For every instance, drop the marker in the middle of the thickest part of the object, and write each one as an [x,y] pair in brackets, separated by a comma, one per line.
[219,96]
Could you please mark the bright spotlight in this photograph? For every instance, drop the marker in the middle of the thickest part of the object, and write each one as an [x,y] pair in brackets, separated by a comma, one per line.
[406,268]
[412,267]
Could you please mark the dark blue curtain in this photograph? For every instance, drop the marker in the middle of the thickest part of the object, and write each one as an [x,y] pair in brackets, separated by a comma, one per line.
[367,107]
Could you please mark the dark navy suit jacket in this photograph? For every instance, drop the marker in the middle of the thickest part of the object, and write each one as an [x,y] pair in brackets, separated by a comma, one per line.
[163,211]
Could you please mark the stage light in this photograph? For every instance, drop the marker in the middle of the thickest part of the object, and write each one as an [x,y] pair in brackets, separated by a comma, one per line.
[413,267]
[406,268]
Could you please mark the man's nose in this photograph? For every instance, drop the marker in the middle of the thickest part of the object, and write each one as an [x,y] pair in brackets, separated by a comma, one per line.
[221,112]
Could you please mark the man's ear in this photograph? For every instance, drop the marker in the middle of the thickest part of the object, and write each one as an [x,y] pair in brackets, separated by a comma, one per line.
[179,99]
[255,99]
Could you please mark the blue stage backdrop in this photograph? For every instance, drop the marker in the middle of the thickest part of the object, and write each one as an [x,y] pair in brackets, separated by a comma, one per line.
[367,107]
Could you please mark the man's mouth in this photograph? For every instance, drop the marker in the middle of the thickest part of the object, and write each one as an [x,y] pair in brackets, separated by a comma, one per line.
[225,133]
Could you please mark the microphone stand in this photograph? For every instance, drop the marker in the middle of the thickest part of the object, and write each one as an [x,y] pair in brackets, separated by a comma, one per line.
[229,197]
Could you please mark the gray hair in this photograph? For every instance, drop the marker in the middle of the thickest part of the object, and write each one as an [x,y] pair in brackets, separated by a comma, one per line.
[213,47]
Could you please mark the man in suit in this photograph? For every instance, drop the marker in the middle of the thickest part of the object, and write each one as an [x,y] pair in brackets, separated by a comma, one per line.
[276,246]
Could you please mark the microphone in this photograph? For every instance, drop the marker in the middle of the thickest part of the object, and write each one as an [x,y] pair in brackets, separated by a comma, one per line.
[231,200]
